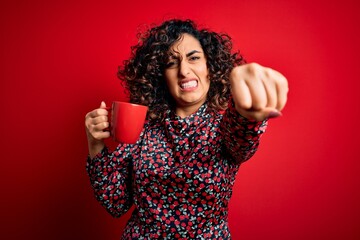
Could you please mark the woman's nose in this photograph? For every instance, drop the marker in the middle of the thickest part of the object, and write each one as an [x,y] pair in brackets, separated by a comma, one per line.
[184,69]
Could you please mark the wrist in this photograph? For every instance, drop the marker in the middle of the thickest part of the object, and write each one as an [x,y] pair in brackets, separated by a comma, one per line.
[95,147]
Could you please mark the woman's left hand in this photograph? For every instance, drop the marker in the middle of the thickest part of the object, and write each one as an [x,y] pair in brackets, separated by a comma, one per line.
[258,92]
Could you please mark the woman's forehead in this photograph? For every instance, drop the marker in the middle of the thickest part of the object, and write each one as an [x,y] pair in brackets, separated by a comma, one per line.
[185,44]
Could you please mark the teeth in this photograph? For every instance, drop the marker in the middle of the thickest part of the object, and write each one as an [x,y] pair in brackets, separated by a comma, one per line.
[189,84]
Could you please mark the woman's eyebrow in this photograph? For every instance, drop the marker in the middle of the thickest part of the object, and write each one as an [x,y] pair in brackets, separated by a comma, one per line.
[192,52]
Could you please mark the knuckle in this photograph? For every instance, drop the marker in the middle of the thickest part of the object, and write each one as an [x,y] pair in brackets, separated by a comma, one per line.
[91,128]
[97,112]
[236,71]
[283,85]
[96,136]
[281,79]
[253,67]
[88,117]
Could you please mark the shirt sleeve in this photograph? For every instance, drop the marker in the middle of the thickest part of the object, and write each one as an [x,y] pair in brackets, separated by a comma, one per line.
[240,136]
[110,177]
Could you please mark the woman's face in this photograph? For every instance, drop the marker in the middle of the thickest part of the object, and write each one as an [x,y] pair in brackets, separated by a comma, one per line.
[186,73]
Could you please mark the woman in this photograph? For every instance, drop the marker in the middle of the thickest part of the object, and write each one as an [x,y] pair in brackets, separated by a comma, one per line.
[207,111]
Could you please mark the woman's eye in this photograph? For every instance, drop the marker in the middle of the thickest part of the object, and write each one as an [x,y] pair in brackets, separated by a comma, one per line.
[171,64]
[193,58]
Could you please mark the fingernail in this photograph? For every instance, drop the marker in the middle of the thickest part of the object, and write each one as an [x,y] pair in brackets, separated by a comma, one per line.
[274,114]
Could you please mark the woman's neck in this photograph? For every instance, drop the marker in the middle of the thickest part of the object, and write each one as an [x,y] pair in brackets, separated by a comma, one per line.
[185,111]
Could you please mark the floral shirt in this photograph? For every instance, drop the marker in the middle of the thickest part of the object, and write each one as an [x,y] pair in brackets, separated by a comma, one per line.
[179,175]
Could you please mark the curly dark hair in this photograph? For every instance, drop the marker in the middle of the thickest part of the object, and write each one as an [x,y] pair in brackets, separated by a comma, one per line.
[143,74]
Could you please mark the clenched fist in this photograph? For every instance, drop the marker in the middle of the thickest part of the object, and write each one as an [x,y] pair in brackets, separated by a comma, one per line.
[258,92]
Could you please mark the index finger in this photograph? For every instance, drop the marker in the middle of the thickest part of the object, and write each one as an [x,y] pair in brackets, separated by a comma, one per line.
[241,94]
[98,112]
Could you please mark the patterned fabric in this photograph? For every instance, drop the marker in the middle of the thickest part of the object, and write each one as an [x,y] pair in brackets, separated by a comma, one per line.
[179,175]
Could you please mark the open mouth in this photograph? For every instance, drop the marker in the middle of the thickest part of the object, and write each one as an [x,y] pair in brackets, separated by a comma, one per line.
[189,85]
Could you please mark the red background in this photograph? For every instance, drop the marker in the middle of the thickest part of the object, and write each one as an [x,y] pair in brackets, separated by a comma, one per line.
[59,60]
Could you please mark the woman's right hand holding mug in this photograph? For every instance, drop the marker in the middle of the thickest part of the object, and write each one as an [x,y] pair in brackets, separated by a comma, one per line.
[96,122]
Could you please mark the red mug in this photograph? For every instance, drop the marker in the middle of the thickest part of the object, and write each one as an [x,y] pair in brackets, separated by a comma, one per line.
[127,121]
